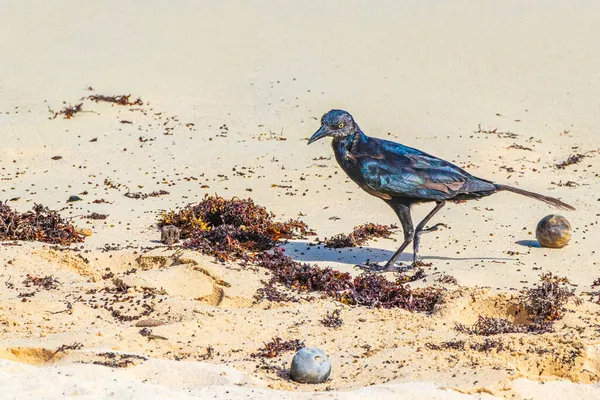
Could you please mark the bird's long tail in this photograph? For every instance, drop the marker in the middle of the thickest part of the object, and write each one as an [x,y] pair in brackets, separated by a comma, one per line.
[546,199]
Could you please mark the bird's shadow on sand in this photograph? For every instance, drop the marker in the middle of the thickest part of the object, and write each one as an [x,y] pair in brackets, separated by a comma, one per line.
[302,251]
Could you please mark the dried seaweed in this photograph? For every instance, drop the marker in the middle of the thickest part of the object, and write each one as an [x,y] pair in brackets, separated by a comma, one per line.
[495,131]
[67,112]
[359,236]
[232,228]
[332,319]
[518,147]
[122,100]
[116,360]
[41,224]
[47,282]
[367,289]
[545,302]
[573,159]
[140,195]
[277,346]
[487,326]
[65,347]
[96,216]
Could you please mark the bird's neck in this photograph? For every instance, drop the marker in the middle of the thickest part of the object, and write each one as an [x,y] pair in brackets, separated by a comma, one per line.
[345,146]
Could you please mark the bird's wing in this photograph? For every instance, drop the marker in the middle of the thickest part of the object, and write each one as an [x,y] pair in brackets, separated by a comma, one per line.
[405,172]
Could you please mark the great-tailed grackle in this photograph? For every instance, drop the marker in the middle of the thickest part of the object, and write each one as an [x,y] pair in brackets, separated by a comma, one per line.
[402,176]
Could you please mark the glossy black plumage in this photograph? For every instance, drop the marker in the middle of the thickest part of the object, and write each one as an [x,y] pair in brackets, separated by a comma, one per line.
[401,175]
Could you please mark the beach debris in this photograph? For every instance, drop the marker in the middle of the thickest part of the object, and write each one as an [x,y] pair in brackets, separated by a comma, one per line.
[147,332]
[170,234]
[332,319]
[495,131]
[41,224]
[367,289]
[48,282]
[277,346]
[573,159]
[231,228]
[553,231]
[118,360]
[84,231]
[488,326]
[140,195]
[55,158]
[122,100]
[96,216]
[519,147]
[67,112]
[149,323]
[65,347]
[546,301]
[360,235]
[310,365]
[73,199]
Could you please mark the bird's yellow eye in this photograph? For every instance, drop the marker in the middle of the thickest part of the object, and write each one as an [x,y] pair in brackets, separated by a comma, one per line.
[341,125]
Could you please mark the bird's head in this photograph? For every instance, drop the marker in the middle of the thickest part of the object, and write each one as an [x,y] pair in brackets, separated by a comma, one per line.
[336,123]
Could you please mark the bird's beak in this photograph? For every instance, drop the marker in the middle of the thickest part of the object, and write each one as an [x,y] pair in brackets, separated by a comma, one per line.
[321,133]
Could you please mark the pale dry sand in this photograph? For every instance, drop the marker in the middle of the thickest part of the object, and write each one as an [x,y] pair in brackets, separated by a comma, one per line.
[422,73]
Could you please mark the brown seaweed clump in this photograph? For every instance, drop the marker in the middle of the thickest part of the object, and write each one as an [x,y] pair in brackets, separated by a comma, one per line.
[488,326]
[546,301]
[122,100]
[367,289]
[360,235]
[41,225]
[277,346]
[233,228]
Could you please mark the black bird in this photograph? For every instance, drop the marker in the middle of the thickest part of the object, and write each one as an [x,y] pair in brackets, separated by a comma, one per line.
[402,176]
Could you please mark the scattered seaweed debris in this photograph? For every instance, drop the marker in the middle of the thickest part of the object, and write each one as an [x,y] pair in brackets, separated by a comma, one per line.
[117,360]
[573,159]
[96,216]
[519,147]
[447,280]
[360,235]
[545,302]
[231,229]
[488,326]
[277,346]
[486,346]
[67,112]
[122,100]
[367,289]
[332,319]
[500,134]
[65,347]
[140,195]
[47,282]
[41,224]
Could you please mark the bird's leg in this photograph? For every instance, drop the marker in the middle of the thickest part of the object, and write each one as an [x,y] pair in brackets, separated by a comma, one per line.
[403,212]
[420,229]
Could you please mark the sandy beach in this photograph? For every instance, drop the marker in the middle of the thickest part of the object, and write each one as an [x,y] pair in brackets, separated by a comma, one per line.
[229,94]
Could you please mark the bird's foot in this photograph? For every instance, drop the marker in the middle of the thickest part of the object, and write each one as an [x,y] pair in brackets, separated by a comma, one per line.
[375,267]
[433,228]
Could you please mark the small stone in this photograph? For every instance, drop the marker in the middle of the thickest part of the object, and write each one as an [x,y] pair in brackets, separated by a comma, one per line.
[56,157]
[553,231]
[310,365]
[170,234]
[149,323]
[74,198]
